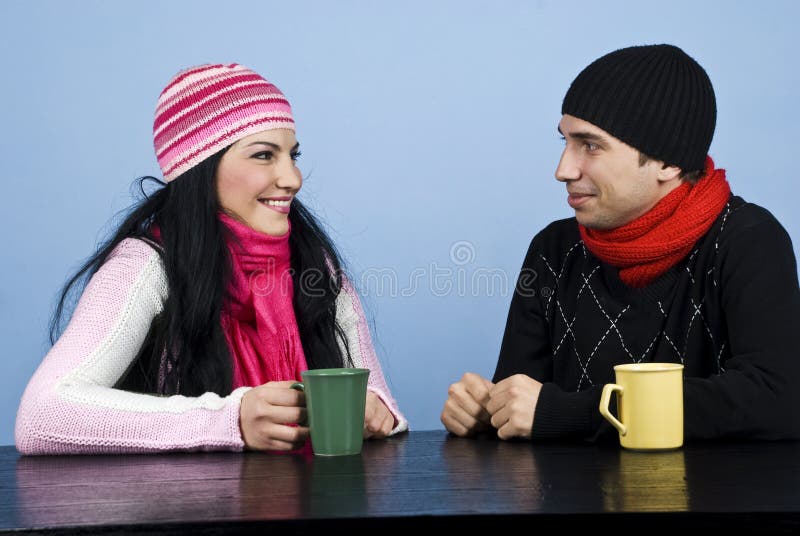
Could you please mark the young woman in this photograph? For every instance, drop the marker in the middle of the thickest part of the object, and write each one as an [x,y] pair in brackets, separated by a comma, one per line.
[210,299]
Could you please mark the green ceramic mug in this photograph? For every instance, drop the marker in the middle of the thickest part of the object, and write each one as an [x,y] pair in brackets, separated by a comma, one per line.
[335,400]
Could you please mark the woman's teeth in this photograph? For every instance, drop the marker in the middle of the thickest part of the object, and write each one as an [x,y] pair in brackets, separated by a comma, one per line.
[273,203]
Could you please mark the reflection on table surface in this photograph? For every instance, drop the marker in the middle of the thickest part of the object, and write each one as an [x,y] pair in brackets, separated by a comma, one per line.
[421,476]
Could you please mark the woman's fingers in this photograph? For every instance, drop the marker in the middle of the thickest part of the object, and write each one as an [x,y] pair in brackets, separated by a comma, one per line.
[268,417]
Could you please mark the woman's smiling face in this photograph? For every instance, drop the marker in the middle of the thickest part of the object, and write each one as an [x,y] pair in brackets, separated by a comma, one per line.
[257,179]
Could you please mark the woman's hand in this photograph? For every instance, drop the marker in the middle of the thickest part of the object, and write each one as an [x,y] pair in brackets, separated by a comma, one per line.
[378,420]
[269,417]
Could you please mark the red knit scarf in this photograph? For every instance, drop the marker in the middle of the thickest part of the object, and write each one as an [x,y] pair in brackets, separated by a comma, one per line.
[258,317]
[653,243]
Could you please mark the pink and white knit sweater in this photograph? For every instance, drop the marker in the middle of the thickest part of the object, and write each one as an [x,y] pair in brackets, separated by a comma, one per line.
[71,407]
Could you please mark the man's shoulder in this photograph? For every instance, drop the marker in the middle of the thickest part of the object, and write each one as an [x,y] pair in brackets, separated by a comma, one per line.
[556,240]
[559,231]
[745,234]
[741,218]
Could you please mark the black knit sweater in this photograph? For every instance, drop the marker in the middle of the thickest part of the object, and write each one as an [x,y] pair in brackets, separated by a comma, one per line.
[730,312]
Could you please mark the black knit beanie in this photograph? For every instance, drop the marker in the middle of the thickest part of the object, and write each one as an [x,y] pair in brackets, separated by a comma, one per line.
[655,98]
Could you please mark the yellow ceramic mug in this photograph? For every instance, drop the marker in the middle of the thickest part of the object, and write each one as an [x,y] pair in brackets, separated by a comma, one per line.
[649,405]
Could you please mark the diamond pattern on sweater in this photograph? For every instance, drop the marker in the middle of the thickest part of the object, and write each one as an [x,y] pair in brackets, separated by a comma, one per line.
[570,338]
[565,334]
[720,368]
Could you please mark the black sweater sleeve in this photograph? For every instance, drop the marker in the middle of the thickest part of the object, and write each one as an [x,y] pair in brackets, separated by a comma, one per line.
[757,395]
[526,346]
[526,349]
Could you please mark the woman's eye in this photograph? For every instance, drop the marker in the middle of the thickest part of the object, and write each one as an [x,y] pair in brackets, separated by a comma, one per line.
[263,155]
[296,155]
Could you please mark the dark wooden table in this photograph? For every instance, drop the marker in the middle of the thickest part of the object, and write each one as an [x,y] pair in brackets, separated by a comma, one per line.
[421,479]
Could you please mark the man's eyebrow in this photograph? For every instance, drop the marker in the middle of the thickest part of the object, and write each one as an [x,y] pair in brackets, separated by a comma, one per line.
[586,136]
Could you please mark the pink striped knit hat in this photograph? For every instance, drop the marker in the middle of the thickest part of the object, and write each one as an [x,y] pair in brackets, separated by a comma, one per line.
[208,107]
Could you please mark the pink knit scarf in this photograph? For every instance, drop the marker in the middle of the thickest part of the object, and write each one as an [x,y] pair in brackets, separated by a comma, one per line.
[258,317]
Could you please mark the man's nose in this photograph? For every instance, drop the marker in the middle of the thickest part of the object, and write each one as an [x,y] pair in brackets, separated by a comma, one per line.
[568,168]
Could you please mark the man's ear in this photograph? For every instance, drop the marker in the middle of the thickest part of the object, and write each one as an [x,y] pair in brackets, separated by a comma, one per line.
[669,173]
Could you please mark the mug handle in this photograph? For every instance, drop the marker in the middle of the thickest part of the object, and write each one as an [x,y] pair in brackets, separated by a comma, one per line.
[298,386]
[605,398]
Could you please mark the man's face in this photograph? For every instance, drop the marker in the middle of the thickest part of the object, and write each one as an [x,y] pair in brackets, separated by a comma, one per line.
[606,185]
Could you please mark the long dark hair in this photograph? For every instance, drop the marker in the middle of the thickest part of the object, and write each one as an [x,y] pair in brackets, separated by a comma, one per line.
[185,350]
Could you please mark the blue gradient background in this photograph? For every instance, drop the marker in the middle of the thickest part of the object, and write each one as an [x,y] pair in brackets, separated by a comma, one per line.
[428,132]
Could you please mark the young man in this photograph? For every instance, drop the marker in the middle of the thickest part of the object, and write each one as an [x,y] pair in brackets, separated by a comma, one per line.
[660,263]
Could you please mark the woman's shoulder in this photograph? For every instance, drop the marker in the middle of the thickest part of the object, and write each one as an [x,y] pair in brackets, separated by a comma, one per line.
[133,257]
[135,249]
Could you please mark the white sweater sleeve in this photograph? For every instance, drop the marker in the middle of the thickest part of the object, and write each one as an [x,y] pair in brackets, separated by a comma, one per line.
[350,316]
[70,404]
